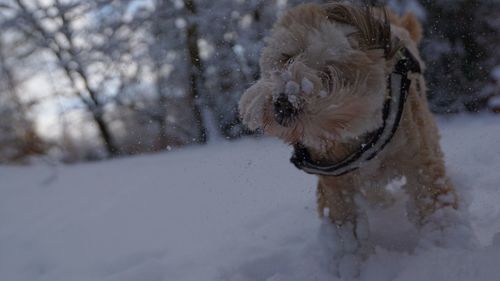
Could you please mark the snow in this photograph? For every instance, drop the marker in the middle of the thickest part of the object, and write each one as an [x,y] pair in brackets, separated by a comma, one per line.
[494,102]
[233,211]
[307,86]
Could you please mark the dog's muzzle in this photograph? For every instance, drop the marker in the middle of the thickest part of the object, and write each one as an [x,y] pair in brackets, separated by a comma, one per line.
[284,111]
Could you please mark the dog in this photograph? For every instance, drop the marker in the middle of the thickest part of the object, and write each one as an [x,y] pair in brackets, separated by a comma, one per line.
[344,85]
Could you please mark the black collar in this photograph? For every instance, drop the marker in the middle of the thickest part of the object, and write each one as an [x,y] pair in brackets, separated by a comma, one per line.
[398,86]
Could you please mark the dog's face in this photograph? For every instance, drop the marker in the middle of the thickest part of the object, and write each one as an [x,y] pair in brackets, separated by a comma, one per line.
[323,76]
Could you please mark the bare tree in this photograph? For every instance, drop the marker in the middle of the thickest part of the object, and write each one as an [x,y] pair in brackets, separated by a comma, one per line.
[196,70]
[18,138]
[59,40]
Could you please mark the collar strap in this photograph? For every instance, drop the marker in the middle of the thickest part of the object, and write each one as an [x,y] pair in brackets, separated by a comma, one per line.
[398,87]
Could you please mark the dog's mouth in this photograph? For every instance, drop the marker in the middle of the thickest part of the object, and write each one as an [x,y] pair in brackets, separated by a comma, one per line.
[286,109]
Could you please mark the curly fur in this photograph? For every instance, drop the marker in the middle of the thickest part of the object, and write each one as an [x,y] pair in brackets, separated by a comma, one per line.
[344,54]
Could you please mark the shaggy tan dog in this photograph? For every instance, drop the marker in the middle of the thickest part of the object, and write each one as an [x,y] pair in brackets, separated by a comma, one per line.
[324,88]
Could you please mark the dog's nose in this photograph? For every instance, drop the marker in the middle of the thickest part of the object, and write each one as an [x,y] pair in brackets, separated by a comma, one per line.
[284,111]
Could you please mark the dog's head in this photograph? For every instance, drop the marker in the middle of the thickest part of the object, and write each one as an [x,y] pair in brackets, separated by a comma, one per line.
[323,75]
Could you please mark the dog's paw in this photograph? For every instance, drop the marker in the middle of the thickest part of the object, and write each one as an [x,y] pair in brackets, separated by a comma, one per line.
[349,266]
[348,245]
[448,228]
[339,240]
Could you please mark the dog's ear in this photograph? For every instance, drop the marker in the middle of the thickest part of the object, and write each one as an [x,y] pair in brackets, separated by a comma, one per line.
[372,24]
[410,22]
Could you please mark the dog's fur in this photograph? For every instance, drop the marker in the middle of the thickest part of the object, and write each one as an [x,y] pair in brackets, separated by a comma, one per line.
[332,62]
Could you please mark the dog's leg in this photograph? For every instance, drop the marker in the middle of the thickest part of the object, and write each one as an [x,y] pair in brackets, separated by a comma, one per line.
[429,187]
[346,232]
[338,198]
[435,208]
[430,191]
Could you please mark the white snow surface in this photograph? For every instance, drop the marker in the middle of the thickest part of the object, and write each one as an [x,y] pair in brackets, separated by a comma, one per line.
[230,211]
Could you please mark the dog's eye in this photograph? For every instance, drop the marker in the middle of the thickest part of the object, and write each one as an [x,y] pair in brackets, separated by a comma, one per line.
[285,58]
[326,75]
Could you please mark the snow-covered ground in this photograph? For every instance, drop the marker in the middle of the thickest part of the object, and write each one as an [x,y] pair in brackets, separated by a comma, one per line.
[229,211]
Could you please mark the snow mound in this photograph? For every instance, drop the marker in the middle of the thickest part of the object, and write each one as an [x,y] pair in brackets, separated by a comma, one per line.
[235,211]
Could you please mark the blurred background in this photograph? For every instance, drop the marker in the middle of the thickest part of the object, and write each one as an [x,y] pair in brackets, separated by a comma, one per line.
[96,79]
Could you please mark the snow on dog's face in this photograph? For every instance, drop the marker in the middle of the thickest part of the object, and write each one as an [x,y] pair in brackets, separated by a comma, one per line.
[323,76]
